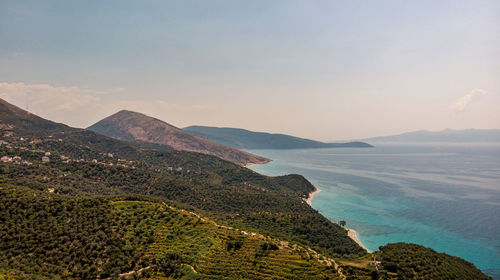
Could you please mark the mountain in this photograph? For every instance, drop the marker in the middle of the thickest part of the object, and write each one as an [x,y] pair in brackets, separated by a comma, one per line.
[136,127]
[75,204]
[245,139]
[447,135]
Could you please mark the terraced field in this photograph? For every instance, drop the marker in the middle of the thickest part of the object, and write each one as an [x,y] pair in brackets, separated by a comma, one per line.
[252,261]
[211,251]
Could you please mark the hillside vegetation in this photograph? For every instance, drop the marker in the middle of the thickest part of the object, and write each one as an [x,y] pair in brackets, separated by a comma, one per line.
[49,236]
[411,261]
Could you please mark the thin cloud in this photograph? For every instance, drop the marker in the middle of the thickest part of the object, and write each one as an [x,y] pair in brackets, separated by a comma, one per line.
[71,105]
[464,101]
[52,98]
[81,107]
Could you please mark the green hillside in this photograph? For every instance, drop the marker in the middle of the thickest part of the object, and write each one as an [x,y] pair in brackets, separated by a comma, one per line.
[51,236]
[86,163]
[245,139]
[411,261]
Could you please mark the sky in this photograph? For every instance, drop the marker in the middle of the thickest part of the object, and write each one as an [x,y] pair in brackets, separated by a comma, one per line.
[326,70]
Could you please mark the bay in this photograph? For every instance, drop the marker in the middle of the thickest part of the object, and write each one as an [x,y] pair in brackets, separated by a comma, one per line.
[446,197]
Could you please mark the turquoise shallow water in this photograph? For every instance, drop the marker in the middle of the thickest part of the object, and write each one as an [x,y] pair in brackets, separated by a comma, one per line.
[443,197]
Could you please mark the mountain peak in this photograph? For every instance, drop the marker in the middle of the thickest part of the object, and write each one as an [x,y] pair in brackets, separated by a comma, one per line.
[137,127]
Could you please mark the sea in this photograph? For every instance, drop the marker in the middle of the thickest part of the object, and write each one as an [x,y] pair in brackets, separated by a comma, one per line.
[442,196]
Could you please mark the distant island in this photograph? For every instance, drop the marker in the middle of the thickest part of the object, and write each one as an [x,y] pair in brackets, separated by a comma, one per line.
[246,139]
[446,135]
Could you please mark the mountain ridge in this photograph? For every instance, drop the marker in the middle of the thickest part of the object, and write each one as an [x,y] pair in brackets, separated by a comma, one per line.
[246,139]
[445,135]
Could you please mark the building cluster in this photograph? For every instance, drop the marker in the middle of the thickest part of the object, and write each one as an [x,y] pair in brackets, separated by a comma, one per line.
[10,141]
[377,263]
[176,169]
[14,160]
[25,144]
[6,129]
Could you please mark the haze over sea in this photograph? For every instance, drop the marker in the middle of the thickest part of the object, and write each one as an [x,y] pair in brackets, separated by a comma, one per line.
[446,197]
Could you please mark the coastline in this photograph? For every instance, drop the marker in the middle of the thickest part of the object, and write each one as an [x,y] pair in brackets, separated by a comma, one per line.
[350,232]
[354,236]
[256,163]
[311,195]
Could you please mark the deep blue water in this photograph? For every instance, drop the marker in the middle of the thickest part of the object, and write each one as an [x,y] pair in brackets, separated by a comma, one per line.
[446,197]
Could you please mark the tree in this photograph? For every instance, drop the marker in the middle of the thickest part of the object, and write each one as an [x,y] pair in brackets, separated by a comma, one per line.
[342,223]
[169,264]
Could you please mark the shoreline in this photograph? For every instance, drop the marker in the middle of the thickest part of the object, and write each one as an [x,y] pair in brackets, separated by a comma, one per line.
[255,163]
[354,236]
[311,195]
[350,232]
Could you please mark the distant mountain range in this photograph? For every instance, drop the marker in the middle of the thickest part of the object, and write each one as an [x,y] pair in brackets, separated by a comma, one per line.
[245,139]
[154,133]
[447,135]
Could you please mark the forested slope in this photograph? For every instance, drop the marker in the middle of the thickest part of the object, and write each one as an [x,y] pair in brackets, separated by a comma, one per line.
[54,236]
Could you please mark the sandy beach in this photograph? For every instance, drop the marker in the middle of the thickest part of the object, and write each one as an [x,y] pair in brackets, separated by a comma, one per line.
[353,235]
[350,232]
[311,195]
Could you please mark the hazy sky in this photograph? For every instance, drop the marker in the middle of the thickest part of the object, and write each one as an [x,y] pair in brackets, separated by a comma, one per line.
[327,70]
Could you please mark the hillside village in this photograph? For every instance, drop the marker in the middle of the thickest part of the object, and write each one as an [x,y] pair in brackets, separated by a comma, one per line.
[22,150]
